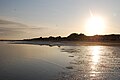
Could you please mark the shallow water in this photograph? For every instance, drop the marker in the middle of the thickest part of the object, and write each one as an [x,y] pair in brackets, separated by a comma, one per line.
[94,62]
[35,62]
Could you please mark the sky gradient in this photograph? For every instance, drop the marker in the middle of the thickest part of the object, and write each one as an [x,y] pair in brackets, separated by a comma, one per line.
[33,18]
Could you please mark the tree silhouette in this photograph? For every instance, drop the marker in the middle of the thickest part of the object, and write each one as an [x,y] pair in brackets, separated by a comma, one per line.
[73,36]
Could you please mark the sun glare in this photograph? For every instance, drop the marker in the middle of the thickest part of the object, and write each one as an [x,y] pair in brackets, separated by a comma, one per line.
[95,25]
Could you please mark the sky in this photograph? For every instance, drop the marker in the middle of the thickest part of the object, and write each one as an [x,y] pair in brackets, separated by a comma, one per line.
[21,19]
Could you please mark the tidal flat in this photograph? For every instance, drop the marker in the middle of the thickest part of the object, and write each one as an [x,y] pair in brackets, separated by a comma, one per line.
[23,61]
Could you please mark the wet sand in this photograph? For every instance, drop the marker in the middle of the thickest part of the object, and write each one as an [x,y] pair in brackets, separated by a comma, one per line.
[28,60]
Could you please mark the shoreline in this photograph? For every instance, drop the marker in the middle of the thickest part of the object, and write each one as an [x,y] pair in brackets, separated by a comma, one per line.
[66,43]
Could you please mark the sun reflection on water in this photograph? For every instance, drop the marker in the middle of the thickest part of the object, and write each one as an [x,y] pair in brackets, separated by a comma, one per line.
[95,60]
[95,54]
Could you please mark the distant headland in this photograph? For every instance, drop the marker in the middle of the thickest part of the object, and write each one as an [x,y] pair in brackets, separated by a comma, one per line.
[80,37]
[73,39]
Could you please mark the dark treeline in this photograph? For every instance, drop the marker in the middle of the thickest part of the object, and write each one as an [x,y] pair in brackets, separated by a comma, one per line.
[79,37]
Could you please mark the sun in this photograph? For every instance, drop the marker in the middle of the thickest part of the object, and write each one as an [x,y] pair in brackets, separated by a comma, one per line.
[95,25]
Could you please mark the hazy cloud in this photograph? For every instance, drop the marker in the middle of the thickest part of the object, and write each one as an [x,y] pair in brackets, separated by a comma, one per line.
[10,29]
[11,23]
